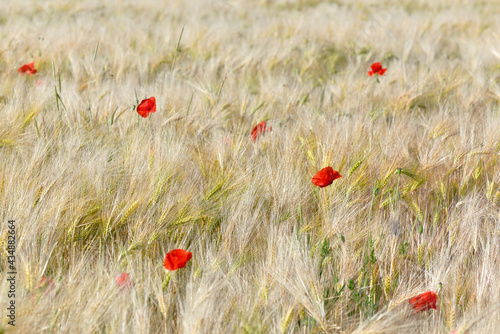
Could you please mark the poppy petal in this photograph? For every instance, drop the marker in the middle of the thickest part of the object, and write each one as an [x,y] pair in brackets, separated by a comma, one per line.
[30,68]
[43,287]
[124,281]
[376,67]
[146,106]
[382,71]
[45,282]
[325,177]
[176,259]
[152,101]
[457,331]
[370,73]
[424,301]
[142,112]
[258,130]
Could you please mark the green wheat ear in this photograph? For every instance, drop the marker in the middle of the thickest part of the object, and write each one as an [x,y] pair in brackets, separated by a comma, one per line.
[421,254]
[496,198]
[287,319]
[28,119]
[2,239]
[29,277]
[6,142]
[129,211]
[386,203]
[159,191]
[450,317]
[355,167]
[387,285]
[264,293]
[153,237]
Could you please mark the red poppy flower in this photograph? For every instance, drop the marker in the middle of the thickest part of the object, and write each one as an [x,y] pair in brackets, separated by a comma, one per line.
[424,301]
[325,177]
[177,258]
[124,281]
[30,68]
[258,130]
[376,69]
[43,287]
[456,331]
[146,106]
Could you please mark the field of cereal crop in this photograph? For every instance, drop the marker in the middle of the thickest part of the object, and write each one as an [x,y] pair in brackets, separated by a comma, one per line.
[407,240]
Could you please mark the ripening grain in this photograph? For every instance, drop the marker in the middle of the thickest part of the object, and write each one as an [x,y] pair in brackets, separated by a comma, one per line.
[252,99]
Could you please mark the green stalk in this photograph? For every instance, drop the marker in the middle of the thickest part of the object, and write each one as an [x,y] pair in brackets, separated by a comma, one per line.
[374,193]
[396,197]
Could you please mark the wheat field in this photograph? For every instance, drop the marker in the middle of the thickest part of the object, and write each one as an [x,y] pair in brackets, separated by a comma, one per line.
[96,190]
